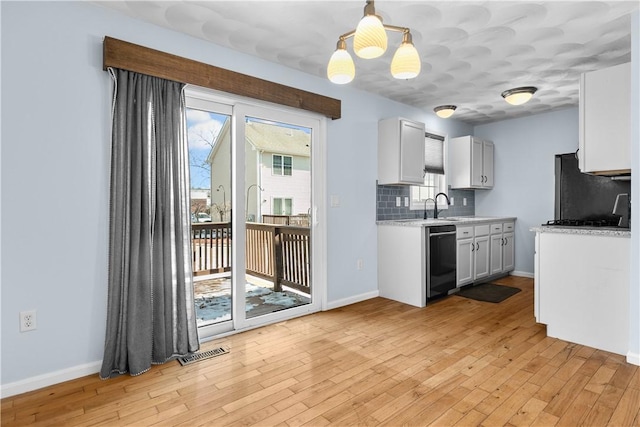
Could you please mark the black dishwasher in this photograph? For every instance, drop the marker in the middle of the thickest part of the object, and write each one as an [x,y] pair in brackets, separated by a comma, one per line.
[441,260]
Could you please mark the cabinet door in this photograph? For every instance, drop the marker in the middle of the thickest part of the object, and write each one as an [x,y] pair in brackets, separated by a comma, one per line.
[477,174]
[496,254]
[487,164]
[464,261]
[605,120]
[411,152]
[481,259]
[508,252]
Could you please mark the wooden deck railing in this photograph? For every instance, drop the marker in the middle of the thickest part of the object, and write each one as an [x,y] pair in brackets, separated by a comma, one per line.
[278,253]
[301,220]
[211,247]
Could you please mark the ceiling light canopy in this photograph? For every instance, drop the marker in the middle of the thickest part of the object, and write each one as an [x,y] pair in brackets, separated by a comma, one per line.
[519,95]
[445,111]
[370,41]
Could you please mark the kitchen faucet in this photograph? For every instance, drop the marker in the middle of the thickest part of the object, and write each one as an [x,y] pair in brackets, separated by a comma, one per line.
[425,206]
[435,203]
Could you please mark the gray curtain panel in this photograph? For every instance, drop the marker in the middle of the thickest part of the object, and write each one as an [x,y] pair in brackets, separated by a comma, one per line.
[151,313]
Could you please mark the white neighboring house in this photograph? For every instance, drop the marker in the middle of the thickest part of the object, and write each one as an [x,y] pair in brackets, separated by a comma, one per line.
[277,162]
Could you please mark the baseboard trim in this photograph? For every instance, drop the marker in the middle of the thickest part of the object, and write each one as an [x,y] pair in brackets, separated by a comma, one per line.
[633,358]
[522,274]
[45,380]
[352,300]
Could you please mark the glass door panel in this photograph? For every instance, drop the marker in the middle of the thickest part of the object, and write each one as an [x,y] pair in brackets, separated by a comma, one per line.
[277,181]
[209,139]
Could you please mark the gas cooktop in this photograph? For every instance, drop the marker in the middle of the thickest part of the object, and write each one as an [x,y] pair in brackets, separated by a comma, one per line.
[583,222]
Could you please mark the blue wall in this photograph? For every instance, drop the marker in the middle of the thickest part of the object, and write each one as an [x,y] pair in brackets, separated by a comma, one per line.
[55,177]
[524,172]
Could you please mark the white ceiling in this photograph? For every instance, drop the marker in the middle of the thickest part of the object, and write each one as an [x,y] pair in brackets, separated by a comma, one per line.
[471,51]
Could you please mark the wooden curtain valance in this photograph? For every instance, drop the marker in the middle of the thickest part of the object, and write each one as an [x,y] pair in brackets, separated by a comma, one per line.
[132,57]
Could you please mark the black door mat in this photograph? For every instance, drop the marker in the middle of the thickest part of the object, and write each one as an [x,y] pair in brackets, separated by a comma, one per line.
[489,292]
[196,357]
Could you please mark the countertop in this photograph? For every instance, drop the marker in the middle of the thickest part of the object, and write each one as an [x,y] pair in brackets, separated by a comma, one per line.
[456,220]
[590,231]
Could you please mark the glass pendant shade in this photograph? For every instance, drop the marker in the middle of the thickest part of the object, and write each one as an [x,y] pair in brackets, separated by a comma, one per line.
[370,39]
[341,69]
[406,62]
[519,96]
[445,111]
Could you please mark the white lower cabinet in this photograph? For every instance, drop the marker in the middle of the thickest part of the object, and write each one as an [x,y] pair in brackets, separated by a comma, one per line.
[502,248]
[484,250]
[464,260]
[508,252]
[472,256]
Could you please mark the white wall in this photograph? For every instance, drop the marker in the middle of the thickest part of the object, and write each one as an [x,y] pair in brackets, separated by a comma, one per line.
[634,290]
[55,137]
[524,172]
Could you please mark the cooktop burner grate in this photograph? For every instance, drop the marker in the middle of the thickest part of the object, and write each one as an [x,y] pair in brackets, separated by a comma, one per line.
[583,222]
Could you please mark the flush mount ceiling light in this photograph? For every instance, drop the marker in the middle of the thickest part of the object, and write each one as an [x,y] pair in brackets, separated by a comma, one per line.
[519,95]
[370,41]
[445,111]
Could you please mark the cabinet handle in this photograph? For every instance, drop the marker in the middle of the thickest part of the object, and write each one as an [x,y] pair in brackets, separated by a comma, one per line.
[505,240]
[502,244]
[477,246]
[473,247]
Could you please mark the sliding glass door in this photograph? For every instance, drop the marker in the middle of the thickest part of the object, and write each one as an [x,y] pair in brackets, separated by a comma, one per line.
[209,137]
[278,209]
[254,185]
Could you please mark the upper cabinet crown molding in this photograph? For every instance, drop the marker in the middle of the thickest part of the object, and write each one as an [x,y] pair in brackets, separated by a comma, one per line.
[605,121]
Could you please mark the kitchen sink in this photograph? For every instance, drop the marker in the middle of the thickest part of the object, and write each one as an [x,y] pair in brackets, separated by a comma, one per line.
[428,220]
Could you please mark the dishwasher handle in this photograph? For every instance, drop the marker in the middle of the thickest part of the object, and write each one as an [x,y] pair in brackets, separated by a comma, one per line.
[442,233]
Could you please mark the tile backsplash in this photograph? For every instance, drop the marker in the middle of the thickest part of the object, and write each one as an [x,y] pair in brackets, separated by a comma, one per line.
[386,208]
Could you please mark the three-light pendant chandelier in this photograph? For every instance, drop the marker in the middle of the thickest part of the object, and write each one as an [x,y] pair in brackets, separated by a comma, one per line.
[370,41]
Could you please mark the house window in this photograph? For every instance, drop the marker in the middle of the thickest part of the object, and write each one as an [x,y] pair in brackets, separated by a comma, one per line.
[282,165]
[435,179]
[282,206]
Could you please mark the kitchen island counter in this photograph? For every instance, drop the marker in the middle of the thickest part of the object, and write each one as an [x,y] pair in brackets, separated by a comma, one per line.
[588,231]
[581,285]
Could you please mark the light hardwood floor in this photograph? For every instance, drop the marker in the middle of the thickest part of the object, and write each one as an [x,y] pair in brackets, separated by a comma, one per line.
[378,362]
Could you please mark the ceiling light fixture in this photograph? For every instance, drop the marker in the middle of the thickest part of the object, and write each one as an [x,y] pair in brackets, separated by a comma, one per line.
[445,111]
[370,41]
[519,95]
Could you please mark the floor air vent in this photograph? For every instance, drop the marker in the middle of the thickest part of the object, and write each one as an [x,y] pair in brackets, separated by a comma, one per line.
[196,357]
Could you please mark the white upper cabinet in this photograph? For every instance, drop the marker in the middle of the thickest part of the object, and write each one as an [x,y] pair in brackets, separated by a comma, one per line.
[400,151]
[470,163]
[605,121]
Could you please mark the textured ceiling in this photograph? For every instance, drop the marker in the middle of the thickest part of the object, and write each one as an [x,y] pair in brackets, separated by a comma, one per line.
[471,51]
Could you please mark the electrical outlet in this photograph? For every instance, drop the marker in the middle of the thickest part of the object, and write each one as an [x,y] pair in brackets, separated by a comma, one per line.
[398,202]
[28,320]
[406,201]
[464,201]
[452,201]
[359,264]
